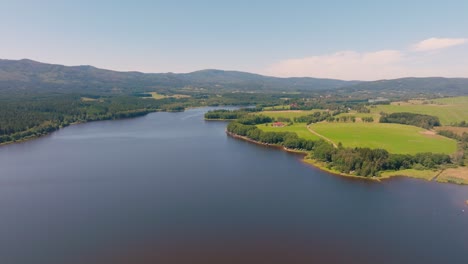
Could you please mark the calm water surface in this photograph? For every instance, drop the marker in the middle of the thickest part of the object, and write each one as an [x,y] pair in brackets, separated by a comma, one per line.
[172,188]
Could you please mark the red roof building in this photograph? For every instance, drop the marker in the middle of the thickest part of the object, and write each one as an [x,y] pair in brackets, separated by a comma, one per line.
[278,124]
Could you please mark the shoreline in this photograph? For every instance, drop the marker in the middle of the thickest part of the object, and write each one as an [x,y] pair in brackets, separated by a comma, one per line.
[311,162]
[322,165]
[218,119]
[33,137]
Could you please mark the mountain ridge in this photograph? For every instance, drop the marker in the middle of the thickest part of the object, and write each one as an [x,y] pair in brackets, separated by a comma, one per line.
[29,76]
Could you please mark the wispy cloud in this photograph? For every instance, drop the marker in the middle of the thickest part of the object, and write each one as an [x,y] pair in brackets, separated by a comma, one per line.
[343,65]
[382,64]
[438,43]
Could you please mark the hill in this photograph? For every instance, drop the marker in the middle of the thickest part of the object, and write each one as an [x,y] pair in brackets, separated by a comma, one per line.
[27,76]
[436,86]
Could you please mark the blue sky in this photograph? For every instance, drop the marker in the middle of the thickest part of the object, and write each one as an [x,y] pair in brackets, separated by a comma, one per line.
[334,39]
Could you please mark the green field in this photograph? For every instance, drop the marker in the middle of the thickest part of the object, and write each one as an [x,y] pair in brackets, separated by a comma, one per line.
[419,174]
[277,107]
[158,96]
[288,114]
[449,110]
[395,138]
[299,128]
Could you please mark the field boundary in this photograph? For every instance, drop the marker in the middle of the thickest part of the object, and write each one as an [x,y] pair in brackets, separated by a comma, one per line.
[321,136]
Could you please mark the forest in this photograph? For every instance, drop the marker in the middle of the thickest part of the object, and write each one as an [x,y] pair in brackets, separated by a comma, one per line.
[419,120]
[223,114]
[33,115]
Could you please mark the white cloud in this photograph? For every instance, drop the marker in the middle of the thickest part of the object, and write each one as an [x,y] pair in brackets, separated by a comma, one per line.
[438,43]
[383,64]
[343,65]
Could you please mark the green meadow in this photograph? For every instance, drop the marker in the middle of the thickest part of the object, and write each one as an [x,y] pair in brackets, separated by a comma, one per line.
[419,174]
[288,114]
[299,128]
[395,138]
[158,96]
[277,107]
[449,110]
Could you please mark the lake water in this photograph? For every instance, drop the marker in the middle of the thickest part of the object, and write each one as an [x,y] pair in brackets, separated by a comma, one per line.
[172,188]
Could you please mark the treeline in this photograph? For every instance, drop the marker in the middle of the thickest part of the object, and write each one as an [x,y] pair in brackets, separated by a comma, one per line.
[450,134]
[357,161]
[343,119]
[24,117]
[361,109]
[254,119]
[460,124]
[224,114]
[286,139]
[329,116]
[462,152]
[370,162]
[313,118]
[419,120]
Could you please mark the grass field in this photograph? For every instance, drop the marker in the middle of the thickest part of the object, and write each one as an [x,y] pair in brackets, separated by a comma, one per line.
[299,128]
[288,113]
[88,99]
[277,107]
[394,138]
[449,110]
[419,174]
[158,96]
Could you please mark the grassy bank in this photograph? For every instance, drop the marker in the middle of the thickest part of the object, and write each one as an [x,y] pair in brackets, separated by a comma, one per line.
[324,166]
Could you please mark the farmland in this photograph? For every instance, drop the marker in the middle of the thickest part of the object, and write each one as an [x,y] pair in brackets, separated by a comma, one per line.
[277,107]
[289,114]
[449,110]
[157,96]
[398,139]
[299,128]
[395,138]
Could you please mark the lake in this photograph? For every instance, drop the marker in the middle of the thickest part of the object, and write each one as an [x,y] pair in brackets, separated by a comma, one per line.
[173,188]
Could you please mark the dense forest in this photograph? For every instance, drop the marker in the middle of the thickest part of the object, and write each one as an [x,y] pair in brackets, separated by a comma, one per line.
[27,116]
[223,114]
[462,154]
[34,116]
[316,117]
[424,121]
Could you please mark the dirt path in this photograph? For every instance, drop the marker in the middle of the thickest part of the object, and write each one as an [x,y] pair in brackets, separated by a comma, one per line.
[435,177]
[325,138]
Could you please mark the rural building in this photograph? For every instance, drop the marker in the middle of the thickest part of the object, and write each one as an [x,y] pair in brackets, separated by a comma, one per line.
[278,124]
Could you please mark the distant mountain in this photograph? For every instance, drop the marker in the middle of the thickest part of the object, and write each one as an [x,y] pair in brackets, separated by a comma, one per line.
[243,80]
[413,86]
[29,76]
